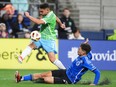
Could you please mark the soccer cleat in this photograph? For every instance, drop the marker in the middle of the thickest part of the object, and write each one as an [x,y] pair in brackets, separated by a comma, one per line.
[17,77]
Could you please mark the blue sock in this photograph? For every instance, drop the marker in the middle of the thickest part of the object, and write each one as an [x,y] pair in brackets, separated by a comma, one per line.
[27,77]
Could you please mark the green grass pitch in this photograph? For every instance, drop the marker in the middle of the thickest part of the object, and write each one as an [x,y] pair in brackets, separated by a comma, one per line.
[7,79]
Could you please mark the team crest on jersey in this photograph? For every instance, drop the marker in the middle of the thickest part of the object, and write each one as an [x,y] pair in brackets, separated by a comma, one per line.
[79,62]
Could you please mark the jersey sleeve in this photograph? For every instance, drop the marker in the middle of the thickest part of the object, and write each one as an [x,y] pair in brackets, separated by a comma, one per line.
[49,18]
[46,20]
[97,76]
[89,55]
[87,63]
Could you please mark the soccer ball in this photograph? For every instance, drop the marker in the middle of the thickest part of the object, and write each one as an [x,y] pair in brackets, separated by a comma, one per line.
[35,35]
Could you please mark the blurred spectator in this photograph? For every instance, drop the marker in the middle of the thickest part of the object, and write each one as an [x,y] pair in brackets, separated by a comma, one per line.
[7,7]
[69,23]
[0,18]
[10,18]
[27,35]
[36,26]
[20,5]
[76,35]
[19,28]
[5,19]
[3,32]
[112,37]
[33,8]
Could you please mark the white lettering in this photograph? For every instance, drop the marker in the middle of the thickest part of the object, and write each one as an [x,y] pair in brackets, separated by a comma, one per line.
[106,56]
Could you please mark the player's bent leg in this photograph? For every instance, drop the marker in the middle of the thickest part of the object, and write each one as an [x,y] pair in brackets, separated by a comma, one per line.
[57,62]
[46,74]
[54,80]
[32,45]
[31,77]
[28,77]
[51,56]
[57,80]
[50,47]
[41,75]
[36,76]
[49,80]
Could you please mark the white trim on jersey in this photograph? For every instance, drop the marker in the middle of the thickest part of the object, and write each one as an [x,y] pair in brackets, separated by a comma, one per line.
[43,20]
[78,74]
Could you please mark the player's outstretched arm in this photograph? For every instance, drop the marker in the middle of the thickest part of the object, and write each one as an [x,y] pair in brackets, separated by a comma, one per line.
[35,20]
[97,77]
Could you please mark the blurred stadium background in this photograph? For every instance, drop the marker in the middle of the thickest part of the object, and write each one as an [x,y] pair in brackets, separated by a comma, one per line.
[96,20]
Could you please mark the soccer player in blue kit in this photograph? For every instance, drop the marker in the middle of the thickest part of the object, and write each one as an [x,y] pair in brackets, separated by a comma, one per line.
[71,75]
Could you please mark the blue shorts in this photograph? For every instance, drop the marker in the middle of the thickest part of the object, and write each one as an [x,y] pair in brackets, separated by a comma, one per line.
[47,45]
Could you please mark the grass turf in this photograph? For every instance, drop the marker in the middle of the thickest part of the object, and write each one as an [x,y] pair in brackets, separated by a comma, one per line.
[7,79]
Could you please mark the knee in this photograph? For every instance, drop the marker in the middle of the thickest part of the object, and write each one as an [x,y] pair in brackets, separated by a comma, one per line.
[32,45]
[51,56]
[48,80]
[52,59]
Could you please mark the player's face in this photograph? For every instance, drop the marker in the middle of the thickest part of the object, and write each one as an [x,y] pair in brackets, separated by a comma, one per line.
[81,52]
[43,12]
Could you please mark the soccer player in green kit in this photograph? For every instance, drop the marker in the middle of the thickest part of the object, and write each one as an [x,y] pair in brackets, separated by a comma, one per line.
[48,35]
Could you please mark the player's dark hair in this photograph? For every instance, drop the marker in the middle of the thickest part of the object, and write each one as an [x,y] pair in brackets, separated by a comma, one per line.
[44,6]
[86,47]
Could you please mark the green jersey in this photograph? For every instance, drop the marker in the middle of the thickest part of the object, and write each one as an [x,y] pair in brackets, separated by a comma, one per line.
[48,29]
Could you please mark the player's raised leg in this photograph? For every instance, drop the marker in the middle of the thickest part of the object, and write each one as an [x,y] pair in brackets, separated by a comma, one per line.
[26,51]
[50,47]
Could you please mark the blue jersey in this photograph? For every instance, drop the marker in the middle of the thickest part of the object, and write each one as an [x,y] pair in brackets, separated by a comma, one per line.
[79,67]
[89,55]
